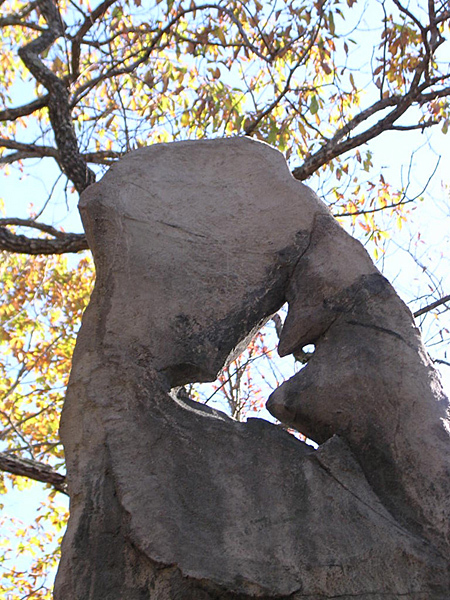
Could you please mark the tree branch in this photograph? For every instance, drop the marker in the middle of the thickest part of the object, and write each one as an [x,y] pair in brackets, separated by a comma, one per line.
[441,362]
[364,115]
[31,149]
[115,70]
[84,28]
[35,225]
[65,243]
[259,117]
[10,114]
[424,98]
[17,21]
[420,126]
[32,469]
[101,157]
[407,12]
[13,157]
[71,160]
[431,306]
[337,146]
[332,149]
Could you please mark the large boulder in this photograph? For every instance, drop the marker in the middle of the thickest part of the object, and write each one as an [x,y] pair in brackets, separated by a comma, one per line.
[196,244]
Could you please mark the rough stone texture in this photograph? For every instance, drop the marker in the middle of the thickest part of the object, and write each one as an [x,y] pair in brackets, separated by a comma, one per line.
[196,244]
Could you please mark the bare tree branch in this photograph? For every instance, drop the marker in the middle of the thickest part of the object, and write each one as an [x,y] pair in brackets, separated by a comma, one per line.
[71,160]
[33,469]
[13,157]
[404,10]
[69,242]
[420,126]
[102,157]
[89,21]
[18,21]
[369,211]
[35,225]
[10,114]
[442,93]
[432,306]
[364,115]
[441,362]
[35,151]
[32,149]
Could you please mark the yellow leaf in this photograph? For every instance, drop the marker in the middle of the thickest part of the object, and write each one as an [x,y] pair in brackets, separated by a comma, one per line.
[185,119]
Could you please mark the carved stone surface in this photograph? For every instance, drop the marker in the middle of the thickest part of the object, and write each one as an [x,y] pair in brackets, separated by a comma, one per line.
[196,244]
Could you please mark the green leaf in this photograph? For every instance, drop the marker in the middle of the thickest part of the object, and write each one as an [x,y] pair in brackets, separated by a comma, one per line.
[331,23]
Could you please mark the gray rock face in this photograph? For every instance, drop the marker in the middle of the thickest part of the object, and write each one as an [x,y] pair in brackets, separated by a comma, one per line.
[196,244]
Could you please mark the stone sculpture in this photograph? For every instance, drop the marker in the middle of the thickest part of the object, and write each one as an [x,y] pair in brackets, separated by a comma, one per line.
[196,244]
